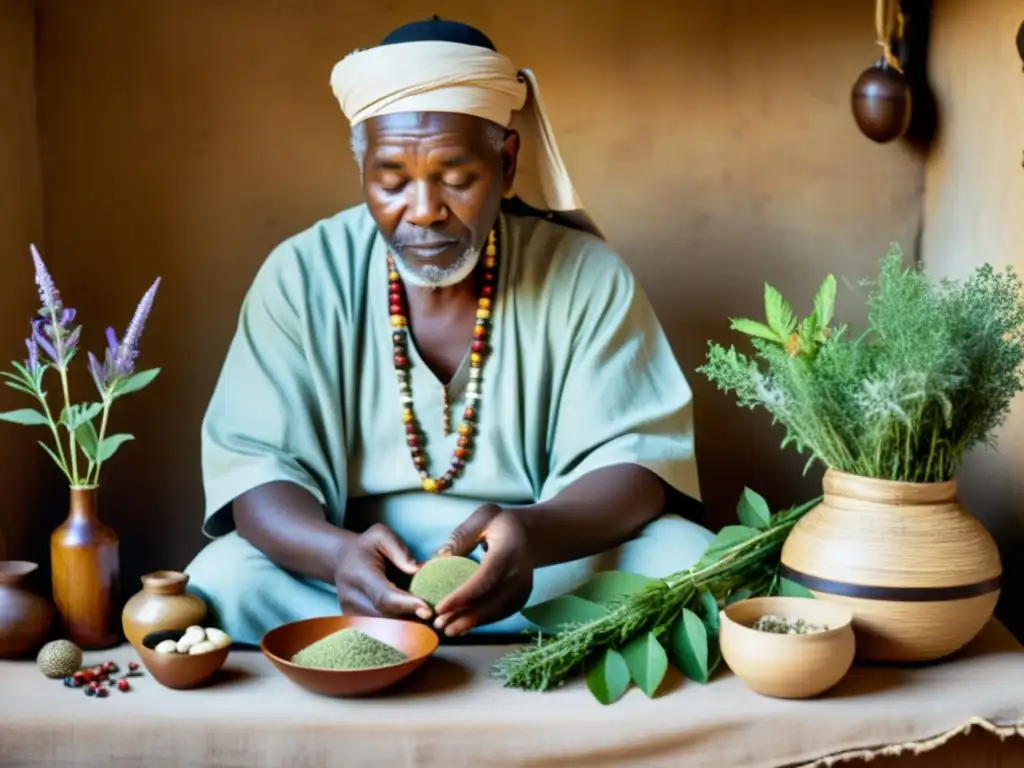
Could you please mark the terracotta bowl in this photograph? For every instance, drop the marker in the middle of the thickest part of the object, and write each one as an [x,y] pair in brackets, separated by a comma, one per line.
[417,641]
[178,670]
[787,666]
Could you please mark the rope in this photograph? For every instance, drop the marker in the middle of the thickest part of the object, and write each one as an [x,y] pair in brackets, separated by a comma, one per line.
[889,25]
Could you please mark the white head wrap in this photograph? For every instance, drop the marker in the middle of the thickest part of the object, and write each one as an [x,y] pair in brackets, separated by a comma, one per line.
[439,76]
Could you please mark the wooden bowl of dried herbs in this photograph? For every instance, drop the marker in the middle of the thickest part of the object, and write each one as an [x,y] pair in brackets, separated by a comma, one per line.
[787,647]
[348,655]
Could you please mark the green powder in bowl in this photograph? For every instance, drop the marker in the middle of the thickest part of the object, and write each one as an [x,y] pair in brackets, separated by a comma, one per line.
[348,649]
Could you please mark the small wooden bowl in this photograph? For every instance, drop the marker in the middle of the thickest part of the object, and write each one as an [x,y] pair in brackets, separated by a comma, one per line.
[787,666]
[178,670]
[416,641]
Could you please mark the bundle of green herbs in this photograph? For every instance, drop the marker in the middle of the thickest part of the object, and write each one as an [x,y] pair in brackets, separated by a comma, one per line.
[931,377]
[621,628]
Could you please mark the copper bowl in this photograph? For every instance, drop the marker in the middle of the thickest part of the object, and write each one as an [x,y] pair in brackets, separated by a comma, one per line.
[417,641]
[180,671]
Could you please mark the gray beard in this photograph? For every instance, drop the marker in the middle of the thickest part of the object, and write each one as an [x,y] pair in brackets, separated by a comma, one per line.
[440,277]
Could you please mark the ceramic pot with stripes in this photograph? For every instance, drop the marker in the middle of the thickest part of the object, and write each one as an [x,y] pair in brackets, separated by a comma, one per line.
[921,575]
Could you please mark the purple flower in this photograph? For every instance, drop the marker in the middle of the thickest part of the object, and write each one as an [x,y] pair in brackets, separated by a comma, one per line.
[32,364]
[53,328]
[42,334]
[119,356]
[129,347]
[48,293]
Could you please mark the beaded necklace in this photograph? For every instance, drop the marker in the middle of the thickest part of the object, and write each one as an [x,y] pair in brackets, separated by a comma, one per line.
[477,356]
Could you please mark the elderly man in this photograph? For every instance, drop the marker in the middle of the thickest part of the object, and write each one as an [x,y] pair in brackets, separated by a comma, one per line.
[459,366]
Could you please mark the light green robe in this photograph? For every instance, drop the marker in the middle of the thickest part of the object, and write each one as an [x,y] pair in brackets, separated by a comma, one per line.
[580,376]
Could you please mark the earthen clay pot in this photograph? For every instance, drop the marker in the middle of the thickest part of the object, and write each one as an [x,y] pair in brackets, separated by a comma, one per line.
[881,103]
[162,605]
[921,575]
[25,616]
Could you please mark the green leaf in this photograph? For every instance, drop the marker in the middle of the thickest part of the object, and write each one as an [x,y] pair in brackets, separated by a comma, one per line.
[20,387]
[608,679]
[29,417]
[730,536]
[808,336]
[647,662]
[690,646]
[778,313]
[85,434]
[714,655]
[22,379]
[110,445]
[136,382]
[825,301]
[753,510]
[54,456]
[79,414]
[21,369]
[552,615]
[754,328]
[739,594]
[608,587]
[709,615]
[709,612]
[789,588]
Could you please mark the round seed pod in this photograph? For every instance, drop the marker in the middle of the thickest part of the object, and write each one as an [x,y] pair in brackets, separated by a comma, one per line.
[881,102]
[59,658]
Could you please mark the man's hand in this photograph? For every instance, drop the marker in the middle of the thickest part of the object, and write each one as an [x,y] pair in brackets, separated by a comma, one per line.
[502,584]
[361,577]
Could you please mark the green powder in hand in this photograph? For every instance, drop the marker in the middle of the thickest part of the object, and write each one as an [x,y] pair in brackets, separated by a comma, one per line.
[348,649]
[441,576]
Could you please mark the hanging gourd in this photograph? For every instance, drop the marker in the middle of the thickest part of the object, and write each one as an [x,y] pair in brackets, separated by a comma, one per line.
[880,98]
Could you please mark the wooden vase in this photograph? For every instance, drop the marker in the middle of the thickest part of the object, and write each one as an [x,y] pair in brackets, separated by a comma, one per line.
[85,567]
[163,604]
[25,615]
[921,575]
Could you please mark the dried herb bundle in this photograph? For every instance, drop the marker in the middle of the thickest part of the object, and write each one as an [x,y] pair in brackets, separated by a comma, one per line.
[620,627]
[932,376]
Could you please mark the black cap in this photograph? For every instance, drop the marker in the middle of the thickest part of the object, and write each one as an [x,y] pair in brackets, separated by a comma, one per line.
[441,30]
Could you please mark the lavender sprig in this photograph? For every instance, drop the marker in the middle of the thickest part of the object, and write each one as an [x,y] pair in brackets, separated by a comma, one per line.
[53,342]
[116,376]
[49,296]
[55,333]
[118,366]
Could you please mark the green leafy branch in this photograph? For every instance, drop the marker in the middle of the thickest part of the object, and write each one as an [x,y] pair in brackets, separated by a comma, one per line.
[75,421]
[620,628]
[799,338]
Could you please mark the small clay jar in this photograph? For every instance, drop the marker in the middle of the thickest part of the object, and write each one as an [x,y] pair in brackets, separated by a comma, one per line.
[162,605]
[25,616]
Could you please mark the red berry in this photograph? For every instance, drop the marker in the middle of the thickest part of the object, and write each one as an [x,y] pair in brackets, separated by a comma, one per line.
[101,692]
[122,685]
[132,666]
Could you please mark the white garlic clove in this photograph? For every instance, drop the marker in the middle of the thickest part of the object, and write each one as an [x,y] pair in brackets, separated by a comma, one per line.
[166,646]
[202,647]
[192,636]
[218,637]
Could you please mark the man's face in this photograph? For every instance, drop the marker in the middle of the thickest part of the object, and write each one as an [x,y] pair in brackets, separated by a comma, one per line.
[433,182]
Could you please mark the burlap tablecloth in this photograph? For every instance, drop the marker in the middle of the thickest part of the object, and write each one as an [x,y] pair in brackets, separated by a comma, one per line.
[451,714]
